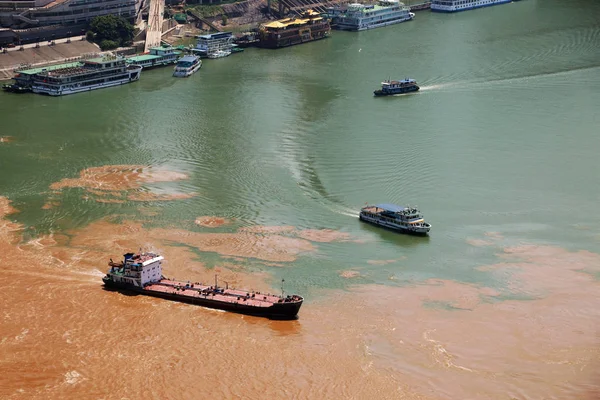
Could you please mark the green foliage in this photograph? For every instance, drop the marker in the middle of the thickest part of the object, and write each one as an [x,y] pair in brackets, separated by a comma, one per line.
[108,44]
[89,36]
[224,19]
[111,29]
[207,10]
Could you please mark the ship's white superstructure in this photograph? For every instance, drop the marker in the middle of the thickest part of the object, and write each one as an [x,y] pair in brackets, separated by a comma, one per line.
[462,5]
[137,269]
[93,74]
[359,17]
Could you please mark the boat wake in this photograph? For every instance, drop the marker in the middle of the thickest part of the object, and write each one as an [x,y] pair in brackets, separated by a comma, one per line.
[513,81]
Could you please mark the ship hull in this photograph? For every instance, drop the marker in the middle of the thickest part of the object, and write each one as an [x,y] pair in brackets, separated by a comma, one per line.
[395,227]
[280,311]
[340,26]
[465,7]
[275,41]
[66,89]
[396,91]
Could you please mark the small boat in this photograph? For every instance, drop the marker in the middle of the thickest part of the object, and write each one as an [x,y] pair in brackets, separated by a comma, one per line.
[186,66]
[389,88]
[14,88]
[219,53]
[397,218]
[142,274]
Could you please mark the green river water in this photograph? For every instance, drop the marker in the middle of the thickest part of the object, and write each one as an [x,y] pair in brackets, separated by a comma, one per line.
[503,137]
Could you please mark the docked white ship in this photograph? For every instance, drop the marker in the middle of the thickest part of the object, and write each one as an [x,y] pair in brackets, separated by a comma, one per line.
[186,66]
[157,57]
[463,5]
[95,73]
[359,17]
[214,45]
[397,218]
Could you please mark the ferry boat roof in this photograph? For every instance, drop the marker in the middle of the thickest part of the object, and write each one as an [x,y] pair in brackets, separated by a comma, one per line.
[391,207]
[218,35]
[144,57]
[34,71]
[188,59]
[282,23]
[407,80]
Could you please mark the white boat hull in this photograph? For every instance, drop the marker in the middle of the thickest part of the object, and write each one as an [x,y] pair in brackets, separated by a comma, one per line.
[404,228]
[78,88]
[187,72]
[466,6]
[354,28]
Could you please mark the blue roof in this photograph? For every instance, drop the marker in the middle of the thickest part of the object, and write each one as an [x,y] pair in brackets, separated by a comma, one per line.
[390,207]
[188,58]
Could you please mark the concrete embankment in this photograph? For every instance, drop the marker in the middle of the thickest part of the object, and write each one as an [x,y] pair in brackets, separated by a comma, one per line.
[44,55]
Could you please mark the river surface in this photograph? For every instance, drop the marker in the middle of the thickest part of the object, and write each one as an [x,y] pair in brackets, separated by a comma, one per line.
[255,168]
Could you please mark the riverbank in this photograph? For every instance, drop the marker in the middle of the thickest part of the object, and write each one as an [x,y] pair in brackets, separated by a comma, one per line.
[44,55]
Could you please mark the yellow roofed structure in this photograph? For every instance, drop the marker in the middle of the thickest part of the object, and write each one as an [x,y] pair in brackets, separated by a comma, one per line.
[283,23]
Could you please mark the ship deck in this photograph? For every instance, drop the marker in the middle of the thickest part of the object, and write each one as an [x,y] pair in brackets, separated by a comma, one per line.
[197,290]
[373,209]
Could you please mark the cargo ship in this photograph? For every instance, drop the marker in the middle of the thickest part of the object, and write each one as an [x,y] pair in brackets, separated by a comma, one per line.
[285,32]
[142,273]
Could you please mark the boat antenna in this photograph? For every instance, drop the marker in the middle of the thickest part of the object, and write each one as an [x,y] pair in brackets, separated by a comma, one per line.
[283,280]
[216,282]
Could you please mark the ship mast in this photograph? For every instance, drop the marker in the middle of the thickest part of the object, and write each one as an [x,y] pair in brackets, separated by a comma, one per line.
[216,282]
[283,280]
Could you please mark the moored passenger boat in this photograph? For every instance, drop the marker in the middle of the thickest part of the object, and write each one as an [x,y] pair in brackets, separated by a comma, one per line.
[186,66]
[359,17]
[389,88]
[397,218]
[157,57]
[463,5]
[291,31]
[95,73]
[142,274]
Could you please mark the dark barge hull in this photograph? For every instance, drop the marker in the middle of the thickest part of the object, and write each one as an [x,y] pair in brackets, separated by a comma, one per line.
[275,41]
[279,311]
[405,231]
[400,91]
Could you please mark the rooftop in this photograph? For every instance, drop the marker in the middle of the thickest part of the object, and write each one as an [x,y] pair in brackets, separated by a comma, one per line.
[143,57]
[218,35]
[34,71]
[390,207]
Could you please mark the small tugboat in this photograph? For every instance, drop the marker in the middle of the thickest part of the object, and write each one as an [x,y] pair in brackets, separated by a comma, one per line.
[15,88]
[400,219]
[389,88]
[142,273]
[186,66]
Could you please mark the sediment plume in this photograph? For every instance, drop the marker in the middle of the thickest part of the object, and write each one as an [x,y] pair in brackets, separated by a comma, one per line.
[211,222]
[530,333]
[115,183]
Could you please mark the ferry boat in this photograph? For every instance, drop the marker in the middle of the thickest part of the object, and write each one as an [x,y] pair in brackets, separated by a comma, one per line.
[400,219]
[186,66]
[95,73]
[360,17]
[462,5]
[291,31]
[142,273]
[157,57]
[389,88]
[214,45]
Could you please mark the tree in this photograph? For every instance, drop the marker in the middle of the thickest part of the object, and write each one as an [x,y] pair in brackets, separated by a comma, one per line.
[224,20]
[111,30]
